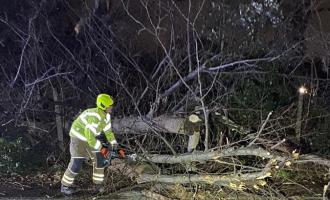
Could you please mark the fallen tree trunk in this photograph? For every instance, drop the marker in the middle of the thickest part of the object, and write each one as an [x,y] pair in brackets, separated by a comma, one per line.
[141,195]
[212,155]
[250,177]
[224,180]
[314,159]
[163,123]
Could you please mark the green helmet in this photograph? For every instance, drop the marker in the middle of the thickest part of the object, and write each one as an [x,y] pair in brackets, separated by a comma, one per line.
[103,101]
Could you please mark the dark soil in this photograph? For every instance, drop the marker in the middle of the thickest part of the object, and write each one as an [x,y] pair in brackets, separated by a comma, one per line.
[36,186]
[8,189]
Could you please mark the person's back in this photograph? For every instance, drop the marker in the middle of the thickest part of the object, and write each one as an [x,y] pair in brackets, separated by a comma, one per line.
[91,116]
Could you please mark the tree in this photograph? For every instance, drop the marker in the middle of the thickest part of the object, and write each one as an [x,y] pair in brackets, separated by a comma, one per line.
[231,63]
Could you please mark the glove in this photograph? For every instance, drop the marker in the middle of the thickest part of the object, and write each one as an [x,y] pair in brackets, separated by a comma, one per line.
[121,153]
[104,152]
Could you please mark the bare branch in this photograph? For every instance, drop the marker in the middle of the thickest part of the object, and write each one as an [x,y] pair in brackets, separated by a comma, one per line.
[22,55]
[261,129]
[203,69]
[244,62]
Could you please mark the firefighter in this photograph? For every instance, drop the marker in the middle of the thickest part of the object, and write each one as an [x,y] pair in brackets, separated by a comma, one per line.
[91,137]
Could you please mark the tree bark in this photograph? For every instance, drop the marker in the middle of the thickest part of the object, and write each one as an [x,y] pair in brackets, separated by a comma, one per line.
[193,141]
[212,155]
[141,195]
[59,122]
[163,123]
[207,179]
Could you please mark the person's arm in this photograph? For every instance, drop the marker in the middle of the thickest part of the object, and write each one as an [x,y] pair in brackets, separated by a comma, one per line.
[109,134]
[91,140]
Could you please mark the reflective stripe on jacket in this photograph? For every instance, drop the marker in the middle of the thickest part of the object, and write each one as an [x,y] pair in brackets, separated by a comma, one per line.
[91,123]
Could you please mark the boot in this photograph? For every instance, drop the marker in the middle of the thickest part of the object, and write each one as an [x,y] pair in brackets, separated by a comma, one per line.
[66,190]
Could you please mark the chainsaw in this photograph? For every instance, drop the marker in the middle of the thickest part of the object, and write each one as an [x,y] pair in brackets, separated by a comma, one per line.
[117,153]
[120,154]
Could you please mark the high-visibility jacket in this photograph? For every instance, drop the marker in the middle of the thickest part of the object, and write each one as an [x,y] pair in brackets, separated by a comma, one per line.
[91,123]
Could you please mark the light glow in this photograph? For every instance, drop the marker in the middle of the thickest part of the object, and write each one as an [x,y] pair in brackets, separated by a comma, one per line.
[302,90]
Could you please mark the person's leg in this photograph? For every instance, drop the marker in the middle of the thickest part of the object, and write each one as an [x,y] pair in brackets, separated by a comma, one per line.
[78,155]
[70,174]
[98,168]
[72,170]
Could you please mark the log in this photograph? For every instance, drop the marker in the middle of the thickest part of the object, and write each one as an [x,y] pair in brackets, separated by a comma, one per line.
[314,159]
[131,170]
[224,180]
[164,123]
[211,155]
[141,195]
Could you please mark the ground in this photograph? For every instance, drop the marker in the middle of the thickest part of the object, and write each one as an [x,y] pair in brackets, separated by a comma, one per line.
[8,189]
[37,186]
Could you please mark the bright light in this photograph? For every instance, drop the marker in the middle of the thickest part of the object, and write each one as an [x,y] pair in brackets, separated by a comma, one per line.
[302,90]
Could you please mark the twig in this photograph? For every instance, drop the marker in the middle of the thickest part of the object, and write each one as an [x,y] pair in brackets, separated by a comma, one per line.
[46,78]
[4,124]
[140,146]
[165,141]
[22,55]
[246,62]
[261,129]
[278,144]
